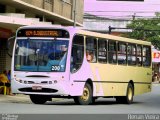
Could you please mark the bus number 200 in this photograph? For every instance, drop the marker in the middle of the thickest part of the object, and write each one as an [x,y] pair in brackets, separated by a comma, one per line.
[55,68]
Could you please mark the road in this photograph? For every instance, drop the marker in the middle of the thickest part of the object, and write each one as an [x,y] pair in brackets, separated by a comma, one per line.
[148,103]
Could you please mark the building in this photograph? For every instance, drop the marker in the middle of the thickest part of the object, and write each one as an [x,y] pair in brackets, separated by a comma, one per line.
[16,13]
[101,24]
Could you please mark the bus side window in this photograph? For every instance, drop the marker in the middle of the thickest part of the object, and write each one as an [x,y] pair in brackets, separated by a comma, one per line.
[122,53]
[112,52]
[102,50]
[91,49]
[139,55]
[77,54]
[131,51]
[146,56]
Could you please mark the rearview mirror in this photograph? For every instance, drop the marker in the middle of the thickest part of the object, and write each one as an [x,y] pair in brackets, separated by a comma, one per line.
[10,45]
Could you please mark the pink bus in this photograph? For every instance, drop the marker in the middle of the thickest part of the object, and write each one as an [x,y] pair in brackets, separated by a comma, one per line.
[66,62]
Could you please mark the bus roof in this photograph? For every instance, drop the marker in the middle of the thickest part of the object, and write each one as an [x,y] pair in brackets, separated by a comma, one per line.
[81,31]
[112,37]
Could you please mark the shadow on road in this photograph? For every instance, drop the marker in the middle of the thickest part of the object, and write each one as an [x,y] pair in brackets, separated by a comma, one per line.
[101,102]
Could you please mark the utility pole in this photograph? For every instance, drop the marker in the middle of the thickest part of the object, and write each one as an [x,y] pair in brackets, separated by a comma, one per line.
[75,13]
[134,16]
[110,29]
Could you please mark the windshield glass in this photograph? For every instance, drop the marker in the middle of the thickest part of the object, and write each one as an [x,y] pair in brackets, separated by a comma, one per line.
[41,55]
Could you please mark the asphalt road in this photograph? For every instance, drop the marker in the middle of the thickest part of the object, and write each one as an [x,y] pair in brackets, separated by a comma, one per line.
[148,103]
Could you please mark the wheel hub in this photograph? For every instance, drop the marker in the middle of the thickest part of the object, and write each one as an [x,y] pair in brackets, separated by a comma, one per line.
[85,95]
[130,94]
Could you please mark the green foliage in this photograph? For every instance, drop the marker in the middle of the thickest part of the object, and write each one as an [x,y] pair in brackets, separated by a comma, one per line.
[146,29]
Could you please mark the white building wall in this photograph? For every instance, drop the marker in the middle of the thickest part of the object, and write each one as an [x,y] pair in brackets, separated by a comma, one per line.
[102,25]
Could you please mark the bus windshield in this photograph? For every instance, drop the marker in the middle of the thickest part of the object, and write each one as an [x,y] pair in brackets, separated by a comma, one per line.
[40,55]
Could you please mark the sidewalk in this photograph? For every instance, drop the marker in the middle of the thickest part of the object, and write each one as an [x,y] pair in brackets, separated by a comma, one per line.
[15,98]
[20,98]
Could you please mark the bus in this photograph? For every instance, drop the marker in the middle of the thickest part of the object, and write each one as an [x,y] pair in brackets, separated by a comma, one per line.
[66,62]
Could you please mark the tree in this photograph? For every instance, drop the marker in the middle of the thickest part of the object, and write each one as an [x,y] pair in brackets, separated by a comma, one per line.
[146,29]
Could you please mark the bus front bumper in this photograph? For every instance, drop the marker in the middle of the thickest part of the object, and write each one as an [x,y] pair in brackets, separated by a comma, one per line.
[40,89]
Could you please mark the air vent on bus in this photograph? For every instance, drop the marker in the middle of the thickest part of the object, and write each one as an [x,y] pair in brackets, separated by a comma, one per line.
[37,76]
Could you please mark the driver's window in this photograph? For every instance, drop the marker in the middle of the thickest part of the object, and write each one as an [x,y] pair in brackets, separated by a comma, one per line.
[77,53]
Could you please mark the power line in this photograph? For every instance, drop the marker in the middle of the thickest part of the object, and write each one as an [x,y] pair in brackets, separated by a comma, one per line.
[127,17]
[125,11]
[124,16]
[127,4]
[114,19]
[139,29]
[120,16]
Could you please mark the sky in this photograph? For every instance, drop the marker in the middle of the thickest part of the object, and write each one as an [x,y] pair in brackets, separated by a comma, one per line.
[116,9]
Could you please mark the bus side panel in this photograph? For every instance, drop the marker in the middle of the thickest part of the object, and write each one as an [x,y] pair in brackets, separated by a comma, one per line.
[143,80]
[106,82]
[142,88]
[112,80]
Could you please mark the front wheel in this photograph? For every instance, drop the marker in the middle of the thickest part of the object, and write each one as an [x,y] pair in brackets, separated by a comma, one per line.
[87,96]
[38,99]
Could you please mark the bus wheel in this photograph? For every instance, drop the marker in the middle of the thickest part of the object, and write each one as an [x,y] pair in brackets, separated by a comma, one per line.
[38,99]
[87,96]
[129,96]
[128,99]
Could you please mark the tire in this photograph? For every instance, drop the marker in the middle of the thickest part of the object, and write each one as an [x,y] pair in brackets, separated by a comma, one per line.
[128,99]
[130,94]
[38,99]
[87,96]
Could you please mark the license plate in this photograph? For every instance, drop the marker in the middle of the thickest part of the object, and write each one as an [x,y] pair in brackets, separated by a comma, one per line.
[36,87]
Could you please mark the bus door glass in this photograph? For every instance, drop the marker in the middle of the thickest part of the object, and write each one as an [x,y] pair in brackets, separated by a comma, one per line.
[77,54]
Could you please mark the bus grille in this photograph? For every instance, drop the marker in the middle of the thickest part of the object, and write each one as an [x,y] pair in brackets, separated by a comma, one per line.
[44,90]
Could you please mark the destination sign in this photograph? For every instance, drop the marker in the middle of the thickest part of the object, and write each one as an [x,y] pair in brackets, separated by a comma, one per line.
[43,33]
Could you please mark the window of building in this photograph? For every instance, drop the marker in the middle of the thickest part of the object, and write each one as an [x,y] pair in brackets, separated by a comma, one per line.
[102,50]
[77,54]
[49,1]
[91,49]
[112,52]
[131,48]
[146,56]
[67,1]
[139,55]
